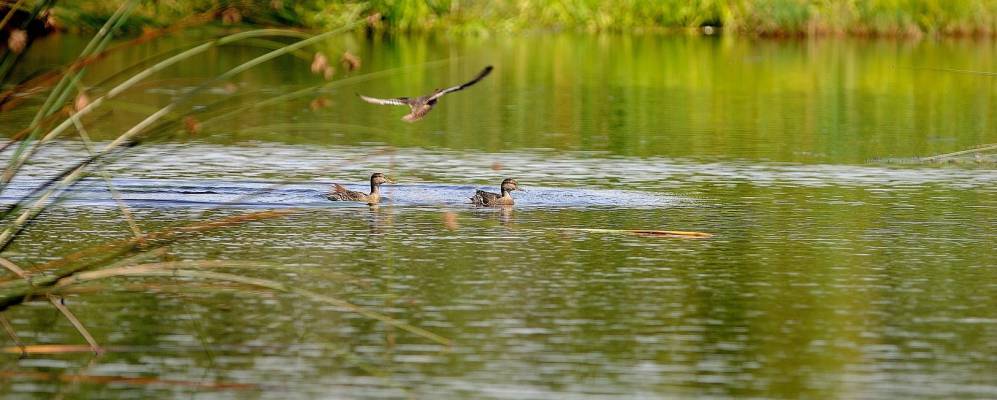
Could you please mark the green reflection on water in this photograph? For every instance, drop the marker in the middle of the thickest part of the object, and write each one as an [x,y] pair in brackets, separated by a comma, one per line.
[854,290]
[816,101]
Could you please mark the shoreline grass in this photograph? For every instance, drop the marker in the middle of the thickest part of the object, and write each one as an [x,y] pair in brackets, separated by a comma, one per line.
[780,18]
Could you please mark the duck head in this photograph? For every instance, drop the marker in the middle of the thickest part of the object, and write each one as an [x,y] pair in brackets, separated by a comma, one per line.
[509,185]
[377,179]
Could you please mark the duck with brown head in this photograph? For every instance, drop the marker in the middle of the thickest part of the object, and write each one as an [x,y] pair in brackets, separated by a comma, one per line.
[483,198]
[340,193]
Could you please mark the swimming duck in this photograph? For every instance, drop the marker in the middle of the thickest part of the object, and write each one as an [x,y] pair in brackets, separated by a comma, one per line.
[420,106]
[483,198]
[339,193]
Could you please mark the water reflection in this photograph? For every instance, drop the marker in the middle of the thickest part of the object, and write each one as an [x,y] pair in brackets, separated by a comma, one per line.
[505,215]
[380,219]
[795,295]
[818,101]
[828,276]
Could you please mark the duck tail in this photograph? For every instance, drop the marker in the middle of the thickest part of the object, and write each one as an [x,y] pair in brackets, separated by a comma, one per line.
[337,188]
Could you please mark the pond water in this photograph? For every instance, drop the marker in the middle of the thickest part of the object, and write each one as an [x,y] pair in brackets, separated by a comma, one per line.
[837,269]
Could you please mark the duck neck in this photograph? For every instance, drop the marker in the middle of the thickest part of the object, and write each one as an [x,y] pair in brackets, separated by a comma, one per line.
[374,188]
[506,192]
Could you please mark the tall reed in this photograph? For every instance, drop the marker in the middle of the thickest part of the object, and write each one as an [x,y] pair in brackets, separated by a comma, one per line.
[110,260]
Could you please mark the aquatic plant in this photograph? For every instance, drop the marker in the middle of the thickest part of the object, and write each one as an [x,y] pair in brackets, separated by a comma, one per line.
[980,155]
[65,109]
[646,232]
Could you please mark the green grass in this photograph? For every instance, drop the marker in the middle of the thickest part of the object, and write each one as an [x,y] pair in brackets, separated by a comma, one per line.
[104,260]
[758,17]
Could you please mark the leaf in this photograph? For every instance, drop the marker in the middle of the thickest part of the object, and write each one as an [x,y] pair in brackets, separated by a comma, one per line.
[318,103]
[450,221]
[231,16]
[319,63]
[191,124]
[17,40]
[374,20]
[81,101]
[350,61]
[230,88]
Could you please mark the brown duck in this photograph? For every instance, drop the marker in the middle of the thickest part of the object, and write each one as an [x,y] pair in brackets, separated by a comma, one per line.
[483,198]
[420,106]
[339,193]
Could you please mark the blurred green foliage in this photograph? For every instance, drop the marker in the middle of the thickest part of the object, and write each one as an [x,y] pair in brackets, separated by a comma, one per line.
[764,17]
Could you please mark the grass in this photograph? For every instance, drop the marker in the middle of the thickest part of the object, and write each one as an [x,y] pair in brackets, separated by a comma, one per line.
[756,17]
[65,109]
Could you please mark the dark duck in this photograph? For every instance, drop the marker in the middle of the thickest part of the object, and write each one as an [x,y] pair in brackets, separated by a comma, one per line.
[339,193]
[420,106]
[483,198]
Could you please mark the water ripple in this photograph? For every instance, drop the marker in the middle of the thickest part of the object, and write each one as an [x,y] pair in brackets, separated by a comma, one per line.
[532,167]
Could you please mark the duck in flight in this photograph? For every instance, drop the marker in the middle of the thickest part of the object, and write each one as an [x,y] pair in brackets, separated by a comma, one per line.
[420,106]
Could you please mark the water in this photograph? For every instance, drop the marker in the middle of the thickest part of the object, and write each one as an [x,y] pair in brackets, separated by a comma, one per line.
[832,272]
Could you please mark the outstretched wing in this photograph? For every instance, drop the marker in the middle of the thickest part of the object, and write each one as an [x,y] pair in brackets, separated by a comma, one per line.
[401,101]
[463,86]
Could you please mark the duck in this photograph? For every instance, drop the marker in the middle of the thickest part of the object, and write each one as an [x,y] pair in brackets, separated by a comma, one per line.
[340,193]
[483,198]
[420,106]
